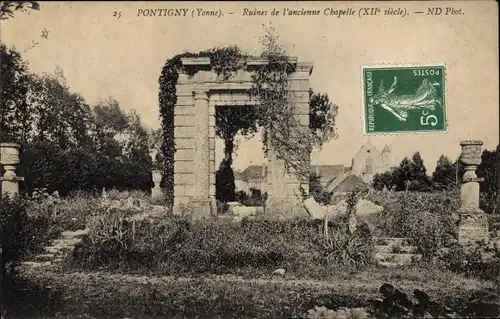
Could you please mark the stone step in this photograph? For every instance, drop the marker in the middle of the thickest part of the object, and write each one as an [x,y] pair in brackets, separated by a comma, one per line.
[388,264]
[66,242]
[44,257]
[35,264]
[400,259]
[75,234]
[56,250]
[386,241]
[395,249]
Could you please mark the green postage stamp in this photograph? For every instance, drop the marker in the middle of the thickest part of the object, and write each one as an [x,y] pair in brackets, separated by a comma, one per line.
[404,99]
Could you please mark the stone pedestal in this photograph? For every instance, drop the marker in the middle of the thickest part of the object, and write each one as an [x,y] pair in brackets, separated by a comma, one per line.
[9,158]
[156,192]
[473,224]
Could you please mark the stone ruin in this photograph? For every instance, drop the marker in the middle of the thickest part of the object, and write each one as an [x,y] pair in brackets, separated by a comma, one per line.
[198,96]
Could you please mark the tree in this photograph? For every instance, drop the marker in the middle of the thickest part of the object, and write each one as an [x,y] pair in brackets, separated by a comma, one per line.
[317,191]
[490,187]
[58,115]
[15,85]
[7,8]
[447,175]
[383,181]
[410,175]
[225,188]
[231,120]
[322,116]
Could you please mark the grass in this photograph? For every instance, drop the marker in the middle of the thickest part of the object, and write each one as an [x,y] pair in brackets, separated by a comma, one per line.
[105,295]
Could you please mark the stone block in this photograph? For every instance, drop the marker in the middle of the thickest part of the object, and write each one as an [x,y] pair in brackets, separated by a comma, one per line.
[211,120]
[184,155]
[211,131]
[184,120]
[183,190]
[183,110]
[183,167]
[184,179]
[185,132]
[184,143]
[184,89]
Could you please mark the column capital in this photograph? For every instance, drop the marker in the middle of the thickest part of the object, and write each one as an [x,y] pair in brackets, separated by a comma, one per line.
[200,94]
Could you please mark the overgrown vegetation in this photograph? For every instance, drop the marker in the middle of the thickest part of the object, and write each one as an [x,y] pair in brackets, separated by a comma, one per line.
[68,145]
[215,247]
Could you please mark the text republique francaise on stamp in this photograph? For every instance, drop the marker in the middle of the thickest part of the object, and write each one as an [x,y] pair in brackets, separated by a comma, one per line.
[404,99]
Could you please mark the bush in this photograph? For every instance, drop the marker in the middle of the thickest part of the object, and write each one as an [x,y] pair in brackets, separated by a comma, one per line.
[13,219]
[429,219]
[255,198]
[482,261]
[177,245]
[25,230]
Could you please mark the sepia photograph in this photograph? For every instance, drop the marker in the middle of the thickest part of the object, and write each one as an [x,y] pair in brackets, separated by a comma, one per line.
[249,159]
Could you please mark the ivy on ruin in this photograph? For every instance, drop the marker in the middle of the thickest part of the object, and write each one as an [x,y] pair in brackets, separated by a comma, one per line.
[282,131]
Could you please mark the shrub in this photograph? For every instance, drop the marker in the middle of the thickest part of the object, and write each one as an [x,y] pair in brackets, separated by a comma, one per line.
[13,219]
[481,261]
[429,219]
[177,245]
[255,198]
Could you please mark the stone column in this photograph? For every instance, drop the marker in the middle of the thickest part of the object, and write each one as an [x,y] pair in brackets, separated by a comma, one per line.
[9,158]
[156,192]
[201,160]
[473,224]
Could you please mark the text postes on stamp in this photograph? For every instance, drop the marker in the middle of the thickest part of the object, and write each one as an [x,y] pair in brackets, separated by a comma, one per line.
[404,99]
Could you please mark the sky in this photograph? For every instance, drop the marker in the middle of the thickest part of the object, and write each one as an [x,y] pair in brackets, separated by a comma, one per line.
[103,56]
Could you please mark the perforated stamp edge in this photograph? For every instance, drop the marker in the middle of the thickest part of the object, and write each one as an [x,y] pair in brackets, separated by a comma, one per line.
[405,65]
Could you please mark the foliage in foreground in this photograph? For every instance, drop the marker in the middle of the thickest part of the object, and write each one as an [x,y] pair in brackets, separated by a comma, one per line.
[114,296]
[178,245]
[397,304]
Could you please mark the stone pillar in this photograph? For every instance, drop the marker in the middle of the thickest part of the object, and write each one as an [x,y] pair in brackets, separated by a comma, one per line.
[203,204]
[9,158]
[473,224]
[156,192]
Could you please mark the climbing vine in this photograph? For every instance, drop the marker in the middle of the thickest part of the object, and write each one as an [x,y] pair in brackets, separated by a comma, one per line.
[282,131]
[291,141]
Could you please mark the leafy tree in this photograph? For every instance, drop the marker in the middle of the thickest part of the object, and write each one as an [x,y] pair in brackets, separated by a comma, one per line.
[225,188]
[490,187]
[8,8]
[410,175]
[322,116]
[231,120]
[15,84]
[58,115]
[383,181]
[447,175]
[110,123]
[317,191]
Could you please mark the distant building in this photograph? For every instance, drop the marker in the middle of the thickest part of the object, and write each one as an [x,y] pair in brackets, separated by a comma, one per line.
[367,162]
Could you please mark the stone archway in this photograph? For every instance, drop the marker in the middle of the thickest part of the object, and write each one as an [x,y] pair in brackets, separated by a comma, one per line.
[198,95]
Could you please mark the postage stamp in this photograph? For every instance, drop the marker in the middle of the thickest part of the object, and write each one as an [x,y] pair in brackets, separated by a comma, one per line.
[404,99]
